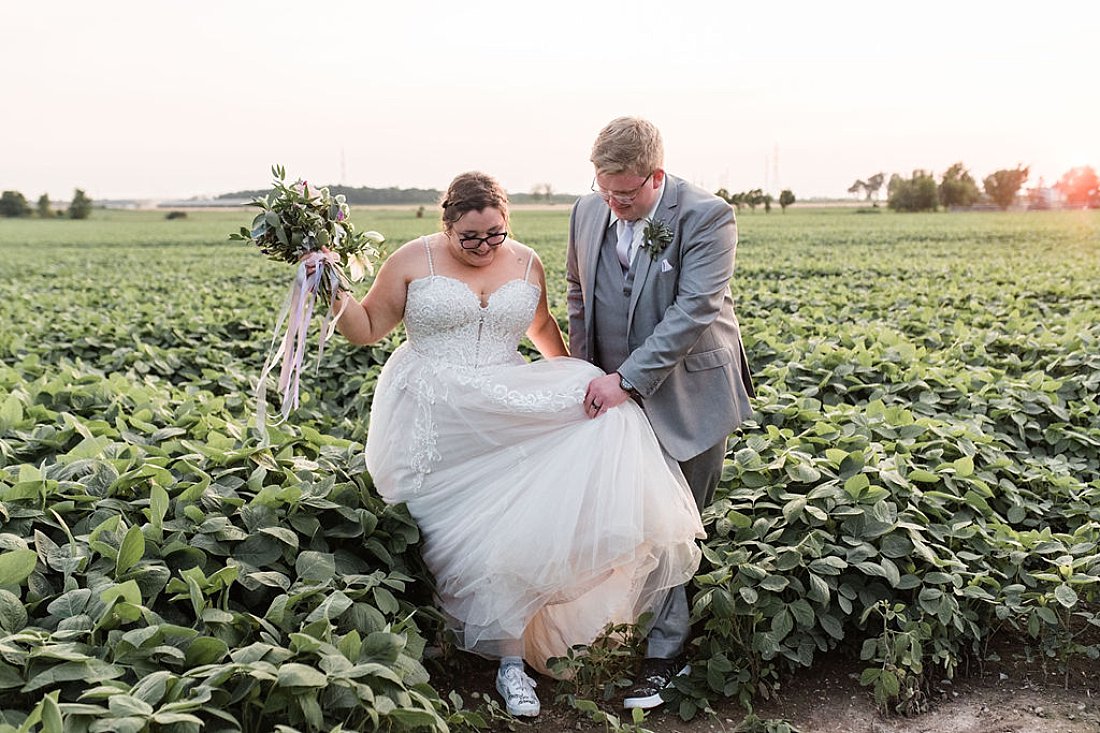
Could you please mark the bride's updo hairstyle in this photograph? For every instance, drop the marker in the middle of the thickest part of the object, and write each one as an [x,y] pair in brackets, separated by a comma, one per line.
[472,191]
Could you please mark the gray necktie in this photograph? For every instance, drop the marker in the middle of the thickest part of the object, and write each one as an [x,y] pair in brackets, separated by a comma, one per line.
[622,248]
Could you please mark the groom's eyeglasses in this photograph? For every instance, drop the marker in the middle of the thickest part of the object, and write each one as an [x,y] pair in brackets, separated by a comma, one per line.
[624,197]
[493,240]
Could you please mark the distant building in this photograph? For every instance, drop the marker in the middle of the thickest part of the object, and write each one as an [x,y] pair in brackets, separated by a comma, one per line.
[1042,197]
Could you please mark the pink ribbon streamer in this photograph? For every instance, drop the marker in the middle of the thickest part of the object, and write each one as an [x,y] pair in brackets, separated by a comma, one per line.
[296,313]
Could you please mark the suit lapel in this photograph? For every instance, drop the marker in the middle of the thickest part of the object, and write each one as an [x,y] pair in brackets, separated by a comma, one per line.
[668,212]
[596,230]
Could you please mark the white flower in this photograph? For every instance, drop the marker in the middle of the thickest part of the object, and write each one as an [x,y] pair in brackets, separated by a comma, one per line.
[358,266]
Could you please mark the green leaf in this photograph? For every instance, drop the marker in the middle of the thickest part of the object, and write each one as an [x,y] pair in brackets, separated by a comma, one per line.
[151,688]
[819,589]
[964,466]
[803,613]
[896,546]
[89,448]
[1065,595]
[90,672]
[311,710]
[856,484]
[332,607]
[774,583]
[52,722]
[29,474]
[851,465]
[782,624]
[315,566]
[284,535]
[205,650]
[890,684]
[829,565]
[259,551]
[194,721]
[15,566]
[832,626]
[924,477]
[793,508]
[158,506]
[132,549]
[128,592]
[299,675]
[386,602]
[122,705]
[11,413]
[13,614]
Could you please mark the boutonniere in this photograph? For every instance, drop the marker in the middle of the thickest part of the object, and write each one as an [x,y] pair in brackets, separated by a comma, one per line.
[655,237]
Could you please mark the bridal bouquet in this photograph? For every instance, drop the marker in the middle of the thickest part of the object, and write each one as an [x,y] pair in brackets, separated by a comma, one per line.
[310,228]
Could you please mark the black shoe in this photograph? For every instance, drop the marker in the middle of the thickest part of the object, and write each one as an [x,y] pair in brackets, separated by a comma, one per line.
[654,676]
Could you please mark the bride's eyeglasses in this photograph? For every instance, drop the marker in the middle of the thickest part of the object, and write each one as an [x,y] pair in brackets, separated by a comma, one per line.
[493,240]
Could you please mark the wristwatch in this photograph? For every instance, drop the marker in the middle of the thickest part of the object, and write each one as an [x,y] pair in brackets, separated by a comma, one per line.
[626,386]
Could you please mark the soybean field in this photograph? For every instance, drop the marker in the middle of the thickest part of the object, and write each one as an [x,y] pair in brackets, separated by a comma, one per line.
[921,476]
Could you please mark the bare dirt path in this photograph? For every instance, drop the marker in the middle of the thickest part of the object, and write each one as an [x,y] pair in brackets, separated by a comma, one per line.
[1006,697]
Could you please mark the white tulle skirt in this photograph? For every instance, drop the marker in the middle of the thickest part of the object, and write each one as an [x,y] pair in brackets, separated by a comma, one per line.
[539,523]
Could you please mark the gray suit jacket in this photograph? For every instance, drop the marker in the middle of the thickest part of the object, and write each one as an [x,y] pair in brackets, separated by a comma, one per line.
[686,357]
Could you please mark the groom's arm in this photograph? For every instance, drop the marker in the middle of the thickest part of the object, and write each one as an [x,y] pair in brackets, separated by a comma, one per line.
[578,337]
[707,252]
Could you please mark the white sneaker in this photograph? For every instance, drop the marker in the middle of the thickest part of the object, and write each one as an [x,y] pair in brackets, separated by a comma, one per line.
[518,691]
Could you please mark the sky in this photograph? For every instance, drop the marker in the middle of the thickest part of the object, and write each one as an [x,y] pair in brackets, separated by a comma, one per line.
[162,99]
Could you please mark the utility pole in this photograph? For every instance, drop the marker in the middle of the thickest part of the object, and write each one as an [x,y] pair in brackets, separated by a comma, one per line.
[775,168]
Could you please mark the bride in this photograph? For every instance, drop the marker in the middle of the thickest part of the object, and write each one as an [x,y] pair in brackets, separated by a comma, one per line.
[541,523]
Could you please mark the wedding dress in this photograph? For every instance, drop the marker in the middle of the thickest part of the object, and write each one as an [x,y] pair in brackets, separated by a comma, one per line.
[538,522]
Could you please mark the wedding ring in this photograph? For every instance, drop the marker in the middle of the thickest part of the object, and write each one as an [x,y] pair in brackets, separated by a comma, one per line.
[597,405]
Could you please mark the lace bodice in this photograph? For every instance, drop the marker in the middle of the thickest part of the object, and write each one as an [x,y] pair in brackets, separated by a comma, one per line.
[445,320]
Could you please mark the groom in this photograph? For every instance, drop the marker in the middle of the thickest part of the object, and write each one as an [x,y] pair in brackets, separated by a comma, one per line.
[649,265]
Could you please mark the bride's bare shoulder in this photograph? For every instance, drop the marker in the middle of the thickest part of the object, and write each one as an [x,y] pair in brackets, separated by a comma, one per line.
[520,252]
[410,260]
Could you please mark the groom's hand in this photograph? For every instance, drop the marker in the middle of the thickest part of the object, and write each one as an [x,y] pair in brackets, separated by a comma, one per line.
[603,394]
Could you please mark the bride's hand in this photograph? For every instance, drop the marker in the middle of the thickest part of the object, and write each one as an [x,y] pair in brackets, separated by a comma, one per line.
[312,260]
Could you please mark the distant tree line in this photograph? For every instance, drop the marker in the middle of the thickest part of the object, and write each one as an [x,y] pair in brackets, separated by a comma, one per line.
[13,204]
[957,188]
[542,193]
[364,195]
[1081,187]
[756,197]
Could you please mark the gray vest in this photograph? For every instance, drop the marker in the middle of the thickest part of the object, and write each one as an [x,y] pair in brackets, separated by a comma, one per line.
[611,305]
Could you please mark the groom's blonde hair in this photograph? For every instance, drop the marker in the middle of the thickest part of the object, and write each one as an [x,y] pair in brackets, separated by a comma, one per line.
[628,145]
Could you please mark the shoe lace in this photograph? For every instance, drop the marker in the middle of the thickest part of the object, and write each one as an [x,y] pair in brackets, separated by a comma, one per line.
[659,675]
[519,684]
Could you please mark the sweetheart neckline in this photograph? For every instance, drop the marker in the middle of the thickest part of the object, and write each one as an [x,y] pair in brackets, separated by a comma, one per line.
[470,290]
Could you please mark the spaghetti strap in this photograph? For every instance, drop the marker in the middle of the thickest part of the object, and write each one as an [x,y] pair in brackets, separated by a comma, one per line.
[428,249]
[530,261]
